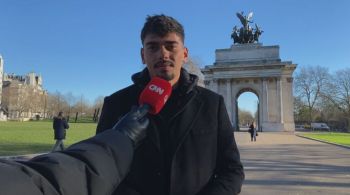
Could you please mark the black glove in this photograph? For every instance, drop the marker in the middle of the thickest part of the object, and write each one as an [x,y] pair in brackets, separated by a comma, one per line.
[134,124]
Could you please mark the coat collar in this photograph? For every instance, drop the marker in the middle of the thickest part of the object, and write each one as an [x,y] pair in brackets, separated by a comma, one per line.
[186,82]
[185,86]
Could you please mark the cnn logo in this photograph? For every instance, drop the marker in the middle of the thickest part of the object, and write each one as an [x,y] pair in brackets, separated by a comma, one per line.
[156,89]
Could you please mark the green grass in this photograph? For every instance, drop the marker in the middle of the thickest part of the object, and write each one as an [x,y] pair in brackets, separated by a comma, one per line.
[337,138]
[18,138]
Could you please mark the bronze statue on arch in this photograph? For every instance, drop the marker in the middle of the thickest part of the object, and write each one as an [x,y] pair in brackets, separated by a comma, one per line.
[246,34]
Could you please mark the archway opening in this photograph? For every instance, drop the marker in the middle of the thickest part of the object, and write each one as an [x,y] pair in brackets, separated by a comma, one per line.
[247,109]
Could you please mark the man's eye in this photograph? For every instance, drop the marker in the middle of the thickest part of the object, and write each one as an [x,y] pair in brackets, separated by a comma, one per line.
[171,47]
[152,47]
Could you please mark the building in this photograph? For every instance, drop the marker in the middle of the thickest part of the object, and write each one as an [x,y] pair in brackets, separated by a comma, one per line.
[23,96]
[2,114]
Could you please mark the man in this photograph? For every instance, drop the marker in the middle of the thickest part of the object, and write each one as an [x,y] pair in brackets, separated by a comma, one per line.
[190,147]
[94,166]
[59,125]
[252,132]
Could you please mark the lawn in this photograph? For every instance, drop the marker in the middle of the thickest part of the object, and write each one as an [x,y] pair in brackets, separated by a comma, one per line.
[18,138]
[338,138]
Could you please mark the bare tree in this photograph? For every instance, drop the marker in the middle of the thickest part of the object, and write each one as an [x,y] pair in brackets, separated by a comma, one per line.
[98,102]
[82,107]
[301,111]
[44,98]
[245,117]
[338,93]
[71,101]
[97,106]
[310,83]
[56,103]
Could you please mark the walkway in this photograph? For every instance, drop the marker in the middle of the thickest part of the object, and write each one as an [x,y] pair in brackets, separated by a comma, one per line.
[282,163]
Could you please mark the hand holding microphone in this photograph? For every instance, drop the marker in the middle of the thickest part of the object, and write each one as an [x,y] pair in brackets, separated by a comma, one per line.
[152,100]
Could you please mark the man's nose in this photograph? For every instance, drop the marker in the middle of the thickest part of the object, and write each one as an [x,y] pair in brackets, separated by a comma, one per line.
[164,53]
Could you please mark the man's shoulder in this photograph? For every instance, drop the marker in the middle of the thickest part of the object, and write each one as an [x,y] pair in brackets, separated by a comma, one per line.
[206,93]
[123,93]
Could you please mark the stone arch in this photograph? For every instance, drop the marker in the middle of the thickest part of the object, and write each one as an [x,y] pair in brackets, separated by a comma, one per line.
[242,90]
[240,86]
[260,69]
[246,89]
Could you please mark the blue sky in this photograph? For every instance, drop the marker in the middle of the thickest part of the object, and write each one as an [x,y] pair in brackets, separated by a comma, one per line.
[92,47]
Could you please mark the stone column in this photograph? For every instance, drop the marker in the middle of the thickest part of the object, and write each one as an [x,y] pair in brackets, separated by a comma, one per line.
[215,85]
[280,99]
[229,99]
[265,102]
[235,118]
[234,106]
[289,100]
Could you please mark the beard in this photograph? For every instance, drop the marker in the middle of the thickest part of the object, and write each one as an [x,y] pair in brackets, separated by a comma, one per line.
[166,76]
[163,73]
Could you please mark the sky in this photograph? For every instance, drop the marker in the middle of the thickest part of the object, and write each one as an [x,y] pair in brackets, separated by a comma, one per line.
[91,47]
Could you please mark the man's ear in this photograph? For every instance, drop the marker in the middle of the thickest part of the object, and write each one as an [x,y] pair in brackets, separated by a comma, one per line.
[142,56]
[185,55]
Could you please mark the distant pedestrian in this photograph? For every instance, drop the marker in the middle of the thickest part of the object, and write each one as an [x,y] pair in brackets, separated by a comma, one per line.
[252,132]
[59,125]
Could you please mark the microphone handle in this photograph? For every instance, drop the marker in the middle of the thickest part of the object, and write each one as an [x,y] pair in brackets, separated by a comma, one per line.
[144,109]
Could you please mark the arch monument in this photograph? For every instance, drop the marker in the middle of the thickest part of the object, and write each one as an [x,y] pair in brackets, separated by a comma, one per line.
[258,69]
[250,66]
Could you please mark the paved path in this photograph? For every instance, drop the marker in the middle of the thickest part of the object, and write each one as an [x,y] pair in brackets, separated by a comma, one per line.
[282,163]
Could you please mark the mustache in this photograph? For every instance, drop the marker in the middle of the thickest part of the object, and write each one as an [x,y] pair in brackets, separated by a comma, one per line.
[164,63]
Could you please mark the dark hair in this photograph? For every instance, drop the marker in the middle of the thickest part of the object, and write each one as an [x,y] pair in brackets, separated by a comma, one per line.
[60,114]
[162,25]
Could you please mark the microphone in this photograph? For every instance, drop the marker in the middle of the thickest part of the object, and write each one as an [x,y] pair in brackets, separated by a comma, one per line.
[152,100]
[155,94]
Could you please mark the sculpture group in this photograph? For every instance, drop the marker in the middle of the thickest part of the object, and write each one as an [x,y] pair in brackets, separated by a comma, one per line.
[246,34]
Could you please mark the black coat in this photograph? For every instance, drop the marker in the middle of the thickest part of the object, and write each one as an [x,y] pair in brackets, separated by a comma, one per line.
[204,158]
[251,130]
[60,125]
[95,166]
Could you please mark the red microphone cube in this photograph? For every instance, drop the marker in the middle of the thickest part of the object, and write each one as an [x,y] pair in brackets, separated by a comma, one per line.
[155,94]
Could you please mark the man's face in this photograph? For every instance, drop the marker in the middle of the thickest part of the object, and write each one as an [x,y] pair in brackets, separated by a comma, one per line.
[164,56]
